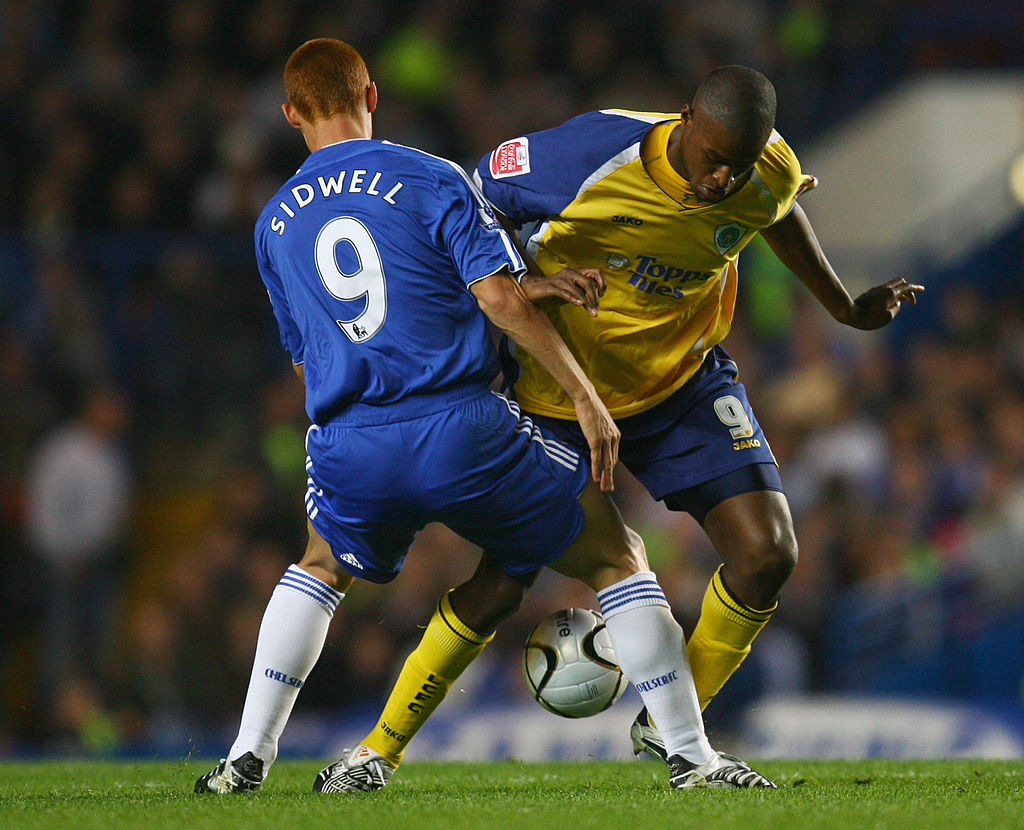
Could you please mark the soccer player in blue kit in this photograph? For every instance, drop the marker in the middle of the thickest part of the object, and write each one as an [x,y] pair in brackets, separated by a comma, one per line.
[383,265]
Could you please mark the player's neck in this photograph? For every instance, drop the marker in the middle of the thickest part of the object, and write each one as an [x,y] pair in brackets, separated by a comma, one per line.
[335,129]
[674,155]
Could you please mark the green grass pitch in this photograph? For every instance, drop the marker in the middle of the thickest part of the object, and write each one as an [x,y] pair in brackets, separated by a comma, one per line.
[575,795]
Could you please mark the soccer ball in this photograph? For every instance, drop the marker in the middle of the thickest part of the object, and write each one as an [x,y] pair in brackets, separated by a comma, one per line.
[569,664]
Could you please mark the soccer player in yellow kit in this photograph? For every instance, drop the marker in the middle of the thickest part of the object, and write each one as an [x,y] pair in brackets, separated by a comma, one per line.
[662,205]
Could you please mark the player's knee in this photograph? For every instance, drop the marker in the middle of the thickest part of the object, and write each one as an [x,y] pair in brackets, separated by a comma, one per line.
[489,596]
[771,562]
[318,560]
[508,597]
[330,573]
[491,608]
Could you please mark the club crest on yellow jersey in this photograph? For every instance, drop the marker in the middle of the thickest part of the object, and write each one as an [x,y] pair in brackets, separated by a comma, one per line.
[726,236]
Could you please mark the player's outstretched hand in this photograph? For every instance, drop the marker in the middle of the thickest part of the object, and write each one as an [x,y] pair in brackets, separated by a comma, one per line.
[878,306]
[602,436]
[583,286]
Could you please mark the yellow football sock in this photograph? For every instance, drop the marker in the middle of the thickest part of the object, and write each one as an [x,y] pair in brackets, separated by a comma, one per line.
[721,639]
[447,647]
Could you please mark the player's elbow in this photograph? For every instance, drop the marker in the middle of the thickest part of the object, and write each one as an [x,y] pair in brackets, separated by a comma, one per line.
[507,306]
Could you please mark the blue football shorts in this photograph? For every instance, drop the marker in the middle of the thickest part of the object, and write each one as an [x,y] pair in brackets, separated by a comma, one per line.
[695,449]
[468,459]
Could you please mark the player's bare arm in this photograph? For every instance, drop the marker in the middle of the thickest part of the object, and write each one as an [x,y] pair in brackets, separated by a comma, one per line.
[506,304]
[582,286]
[794,242]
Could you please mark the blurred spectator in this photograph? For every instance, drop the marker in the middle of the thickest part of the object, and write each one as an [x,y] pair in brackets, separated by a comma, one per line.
[79,498]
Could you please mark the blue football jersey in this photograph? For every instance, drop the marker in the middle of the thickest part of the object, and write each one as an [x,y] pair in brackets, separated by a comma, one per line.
[367,253]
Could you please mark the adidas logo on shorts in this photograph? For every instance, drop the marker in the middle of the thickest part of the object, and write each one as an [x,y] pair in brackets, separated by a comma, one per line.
[350,558]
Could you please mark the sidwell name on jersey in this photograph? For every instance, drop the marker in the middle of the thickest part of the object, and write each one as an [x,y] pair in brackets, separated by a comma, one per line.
[305,193]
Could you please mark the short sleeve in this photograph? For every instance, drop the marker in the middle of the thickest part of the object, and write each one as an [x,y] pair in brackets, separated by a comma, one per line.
[780,169]
[475,240]
[537,175]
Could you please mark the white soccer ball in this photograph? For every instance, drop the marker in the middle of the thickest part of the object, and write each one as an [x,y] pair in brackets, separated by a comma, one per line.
[569,664]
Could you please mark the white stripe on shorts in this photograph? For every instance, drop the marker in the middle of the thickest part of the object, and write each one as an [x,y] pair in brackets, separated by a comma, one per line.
[555,450]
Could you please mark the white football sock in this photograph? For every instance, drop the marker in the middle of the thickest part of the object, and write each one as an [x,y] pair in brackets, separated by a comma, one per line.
[648,643]
[290,641]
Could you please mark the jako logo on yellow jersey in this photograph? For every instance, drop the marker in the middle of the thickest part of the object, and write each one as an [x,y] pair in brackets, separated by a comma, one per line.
[653,277]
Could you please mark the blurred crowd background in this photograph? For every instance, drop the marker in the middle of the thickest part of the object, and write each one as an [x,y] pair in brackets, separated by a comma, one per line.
[151,447]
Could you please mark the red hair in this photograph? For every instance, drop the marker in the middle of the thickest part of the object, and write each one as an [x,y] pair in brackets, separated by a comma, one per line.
[326,77]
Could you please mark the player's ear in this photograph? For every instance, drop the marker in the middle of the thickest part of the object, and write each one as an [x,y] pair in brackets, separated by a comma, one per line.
[291,115]
[371,97]
[686,114]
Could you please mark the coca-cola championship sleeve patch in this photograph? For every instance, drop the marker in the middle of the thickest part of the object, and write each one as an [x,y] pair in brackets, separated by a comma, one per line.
[511,158]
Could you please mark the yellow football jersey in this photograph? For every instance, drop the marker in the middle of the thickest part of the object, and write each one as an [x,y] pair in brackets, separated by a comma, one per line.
[606,197]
